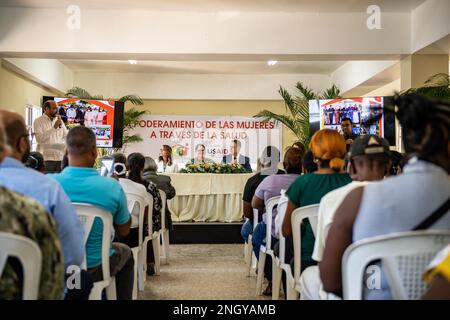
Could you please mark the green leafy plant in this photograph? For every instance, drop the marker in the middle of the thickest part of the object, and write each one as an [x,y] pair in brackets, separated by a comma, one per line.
[437,86]
[297,107]
[213,168]
[131,116]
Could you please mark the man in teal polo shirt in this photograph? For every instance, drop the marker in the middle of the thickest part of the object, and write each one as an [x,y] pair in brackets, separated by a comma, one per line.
[82,183]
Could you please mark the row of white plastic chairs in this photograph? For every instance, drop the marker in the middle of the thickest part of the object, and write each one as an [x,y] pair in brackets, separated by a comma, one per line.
[404,256]
[30,256]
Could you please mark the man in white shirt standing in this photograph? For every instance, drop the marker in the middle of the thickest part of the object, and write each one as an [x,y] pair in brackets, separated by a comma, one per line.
[50,133]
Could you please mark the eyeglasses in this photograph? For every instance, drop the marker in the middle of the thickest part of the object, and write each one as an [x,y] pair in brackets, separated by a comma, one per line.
[28,135]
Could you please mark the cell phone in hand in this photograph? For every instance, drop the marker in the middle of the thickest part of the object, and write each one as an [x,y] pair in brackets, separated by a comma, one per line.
[107,167]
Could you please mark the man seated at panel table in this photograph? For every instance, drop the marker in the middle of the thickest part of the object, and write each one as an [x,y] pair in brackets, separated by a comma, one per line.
[83,184]
[235,156]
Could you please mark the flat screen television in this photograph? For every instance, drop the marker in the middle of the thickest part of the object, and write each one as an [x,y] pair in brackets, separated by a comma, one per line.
[369,115]
[105,118]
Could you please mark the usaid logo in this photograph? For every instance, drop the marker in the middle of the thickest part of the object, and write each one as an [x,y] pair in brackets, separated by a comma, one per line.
[217,151]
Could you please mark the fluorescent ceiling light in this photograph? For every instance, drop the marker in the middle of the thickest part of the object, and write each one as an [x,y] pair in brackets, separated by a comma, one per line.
[132,61]
[272,62]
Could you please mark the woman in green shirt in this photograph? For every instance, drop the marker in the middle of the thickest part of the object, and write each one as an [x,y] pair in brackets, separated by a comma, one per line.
[328,148]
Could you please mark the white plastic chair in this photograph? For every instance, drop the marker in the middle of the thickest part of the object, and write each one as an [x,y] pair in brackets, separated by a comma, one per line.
[278,262]
[249,255]
[298,215]
[30,256]
[136,201]
[87,214]
[164,231]
[155,238]
[266,249]
[404,257]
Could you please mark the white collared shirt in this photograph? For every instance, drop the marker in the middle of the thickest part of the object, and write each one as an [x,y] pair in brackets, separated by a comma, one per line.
[51,141]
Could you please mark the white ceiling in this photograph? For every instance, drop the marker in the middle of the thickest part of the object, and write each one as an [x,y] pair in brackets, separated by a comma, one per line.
[204,67]
[226,5]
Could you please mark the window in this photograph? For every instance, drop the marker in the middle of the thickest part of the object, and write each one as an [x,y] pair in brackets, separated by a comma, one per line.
[32,112]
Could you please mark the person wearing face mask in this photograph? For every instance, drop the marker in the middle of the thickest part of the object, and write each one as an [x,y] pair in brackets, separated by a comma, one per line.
[50,134]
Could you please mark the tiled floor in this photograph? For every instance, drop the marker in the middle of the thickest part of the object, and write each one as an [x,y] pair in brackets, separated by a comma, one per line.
[203,271]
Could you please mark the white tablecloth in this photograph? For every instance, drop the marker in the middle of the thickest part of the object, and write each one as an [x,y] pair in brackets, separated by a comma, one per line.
[206,197]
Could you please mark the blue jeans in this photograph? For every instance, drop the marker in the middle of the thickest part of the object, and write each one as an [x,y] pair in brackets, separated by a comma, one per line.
[246,230]
[259,237]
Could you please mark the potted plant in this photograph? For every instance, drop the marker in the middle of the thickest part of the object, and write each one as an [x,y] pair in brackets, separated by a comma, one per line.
[437,86]
[297,119]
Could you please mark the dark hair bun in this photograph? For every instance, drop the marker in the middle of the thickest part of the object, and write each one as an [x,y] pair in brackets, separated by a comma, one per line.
[413,110]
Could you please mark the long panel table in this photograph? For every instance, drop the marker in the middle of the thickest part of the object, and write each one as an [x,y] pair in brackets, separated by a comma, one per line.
[206,197]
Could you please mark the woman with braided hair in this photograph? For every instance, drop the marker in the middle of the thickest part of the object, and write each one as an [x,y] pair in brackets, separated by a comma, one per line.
[398,203]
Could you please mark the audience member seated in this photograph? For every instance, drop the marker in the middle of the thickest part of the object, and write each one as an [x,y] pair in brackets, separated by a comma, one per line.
[165,161]
[36,161]
[269,188]
[438,276]
[369,161]
[162,182]
[300,146]
[268,162]
[396,163]
[399,203]
[24,216]
[309,166]
[136,164]
[129,186]
[328,148]
[16,177]
[83,183]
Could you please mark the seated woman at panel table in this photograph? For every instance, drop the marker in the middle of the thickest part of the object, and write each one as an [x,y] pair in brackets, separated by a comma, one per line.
[165,161]
[200,150]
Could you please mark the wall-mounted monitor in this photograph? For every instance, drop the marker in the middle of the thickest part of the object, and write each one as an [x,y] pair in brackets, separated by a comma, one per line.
[105,118]
[368,115]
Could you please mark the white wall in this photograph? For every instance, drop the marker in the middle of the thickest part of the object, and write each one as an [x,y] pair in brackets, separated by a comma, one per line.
[353,73]
[125,32]
[47,72]
[429,23]
[195,87]
[386,90]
